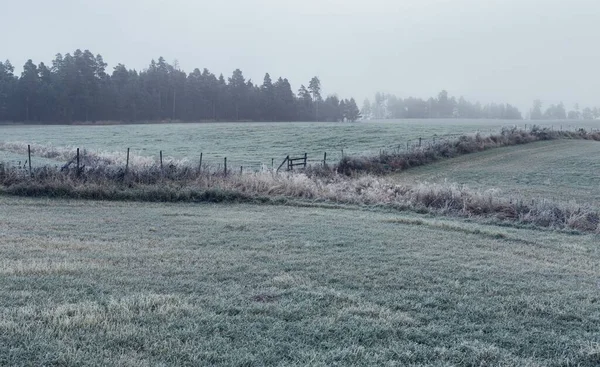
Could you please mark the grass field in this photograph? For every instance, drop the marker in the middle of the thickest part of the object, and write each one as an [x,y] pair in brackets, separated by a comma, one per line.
[561,170]
[247,144]
[309,282]
[98,283]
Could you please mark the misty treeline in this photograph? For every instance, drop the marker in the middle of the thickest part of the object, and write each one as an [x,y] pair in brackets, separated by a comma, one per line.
[388,106]
[558,112]
[78,87]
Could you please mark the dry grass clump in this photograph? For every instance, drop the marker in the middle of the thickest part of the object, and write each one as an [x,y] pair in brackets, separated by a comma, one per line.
[93,315]
[183,184]
[89,158]
[42,267]
[179,182]
[400,160]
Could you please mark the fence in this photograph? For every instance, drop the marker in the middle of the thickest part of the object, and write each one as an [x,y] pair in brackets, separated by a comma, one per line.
[81,159]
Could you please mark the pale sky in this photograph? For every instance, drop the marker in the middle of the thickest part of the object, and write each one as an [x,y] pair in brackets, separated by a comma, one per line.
[489,50]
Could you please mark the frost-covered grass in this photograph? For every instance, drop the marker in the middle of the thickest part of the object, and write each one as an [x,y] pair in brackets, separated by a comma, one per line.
[565,170]
[251,145]
[344,273]
[400,160]
[62,155]
[183,184]
[137,284]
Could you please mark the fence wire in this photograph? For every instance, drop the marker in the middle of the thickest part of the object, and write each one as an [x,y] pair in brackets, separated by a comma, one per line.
[217,163]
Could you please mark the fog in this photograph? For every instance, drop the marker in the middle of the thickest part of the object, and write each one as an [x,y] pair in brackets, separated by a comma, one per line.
[496,50]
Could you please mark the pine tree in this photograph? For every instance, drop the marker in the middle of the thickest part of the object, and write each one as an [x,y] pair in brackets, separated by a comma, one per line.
[7,90]
[314,86]
[77,88]
[366,109]
[267,99]
[536,112]
[352,111]
[29,85]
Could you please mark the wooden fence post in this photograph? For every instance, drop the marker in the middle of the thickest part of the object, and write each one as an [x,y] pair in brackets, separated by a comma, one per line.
[241,170]
[161,161]
[200,165]
[420,139]
[225,166]
[29,154]
[305,159]
[325,159]
[77,162]
[282,163]
[272,164]
[127,163]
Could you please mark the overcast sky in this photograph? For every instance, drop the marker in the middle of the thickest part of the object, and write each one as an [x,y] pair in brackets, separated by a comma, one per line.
[489,50]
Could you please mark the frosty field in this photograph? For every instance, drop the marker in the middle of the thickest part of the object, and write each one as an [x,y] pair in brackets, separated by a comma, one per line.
[343,272]
[143,284]
[562,170]
[249,144]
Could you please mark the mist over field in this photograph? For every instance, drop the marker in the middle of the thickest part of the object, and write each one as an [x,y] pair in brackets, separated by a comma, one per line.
[300,182]
[511,51]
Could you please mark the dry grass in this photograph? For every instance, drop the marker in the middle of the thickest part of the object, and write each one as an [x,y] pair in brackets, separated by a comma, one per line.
[177,183]
[73,317]
[558,170]
[188,186]
[42,267]
[400,160]
[88,158]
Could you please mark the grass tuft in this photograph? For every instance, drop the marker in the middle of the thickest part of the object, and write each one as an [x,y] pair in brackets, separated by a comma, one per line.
[450,227]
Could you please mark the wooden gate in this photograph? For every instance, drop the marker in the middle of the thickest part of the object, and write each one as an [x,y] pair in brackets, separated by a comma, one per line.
[294,162]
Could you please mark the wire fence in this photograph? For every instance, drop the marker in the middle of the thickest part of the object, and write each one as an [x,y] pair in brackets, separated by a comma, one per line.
[213,164]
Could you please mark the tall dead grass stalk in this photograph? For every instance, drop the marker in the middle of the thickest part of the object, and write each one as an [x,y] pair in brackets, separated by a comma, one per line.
[184,184]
